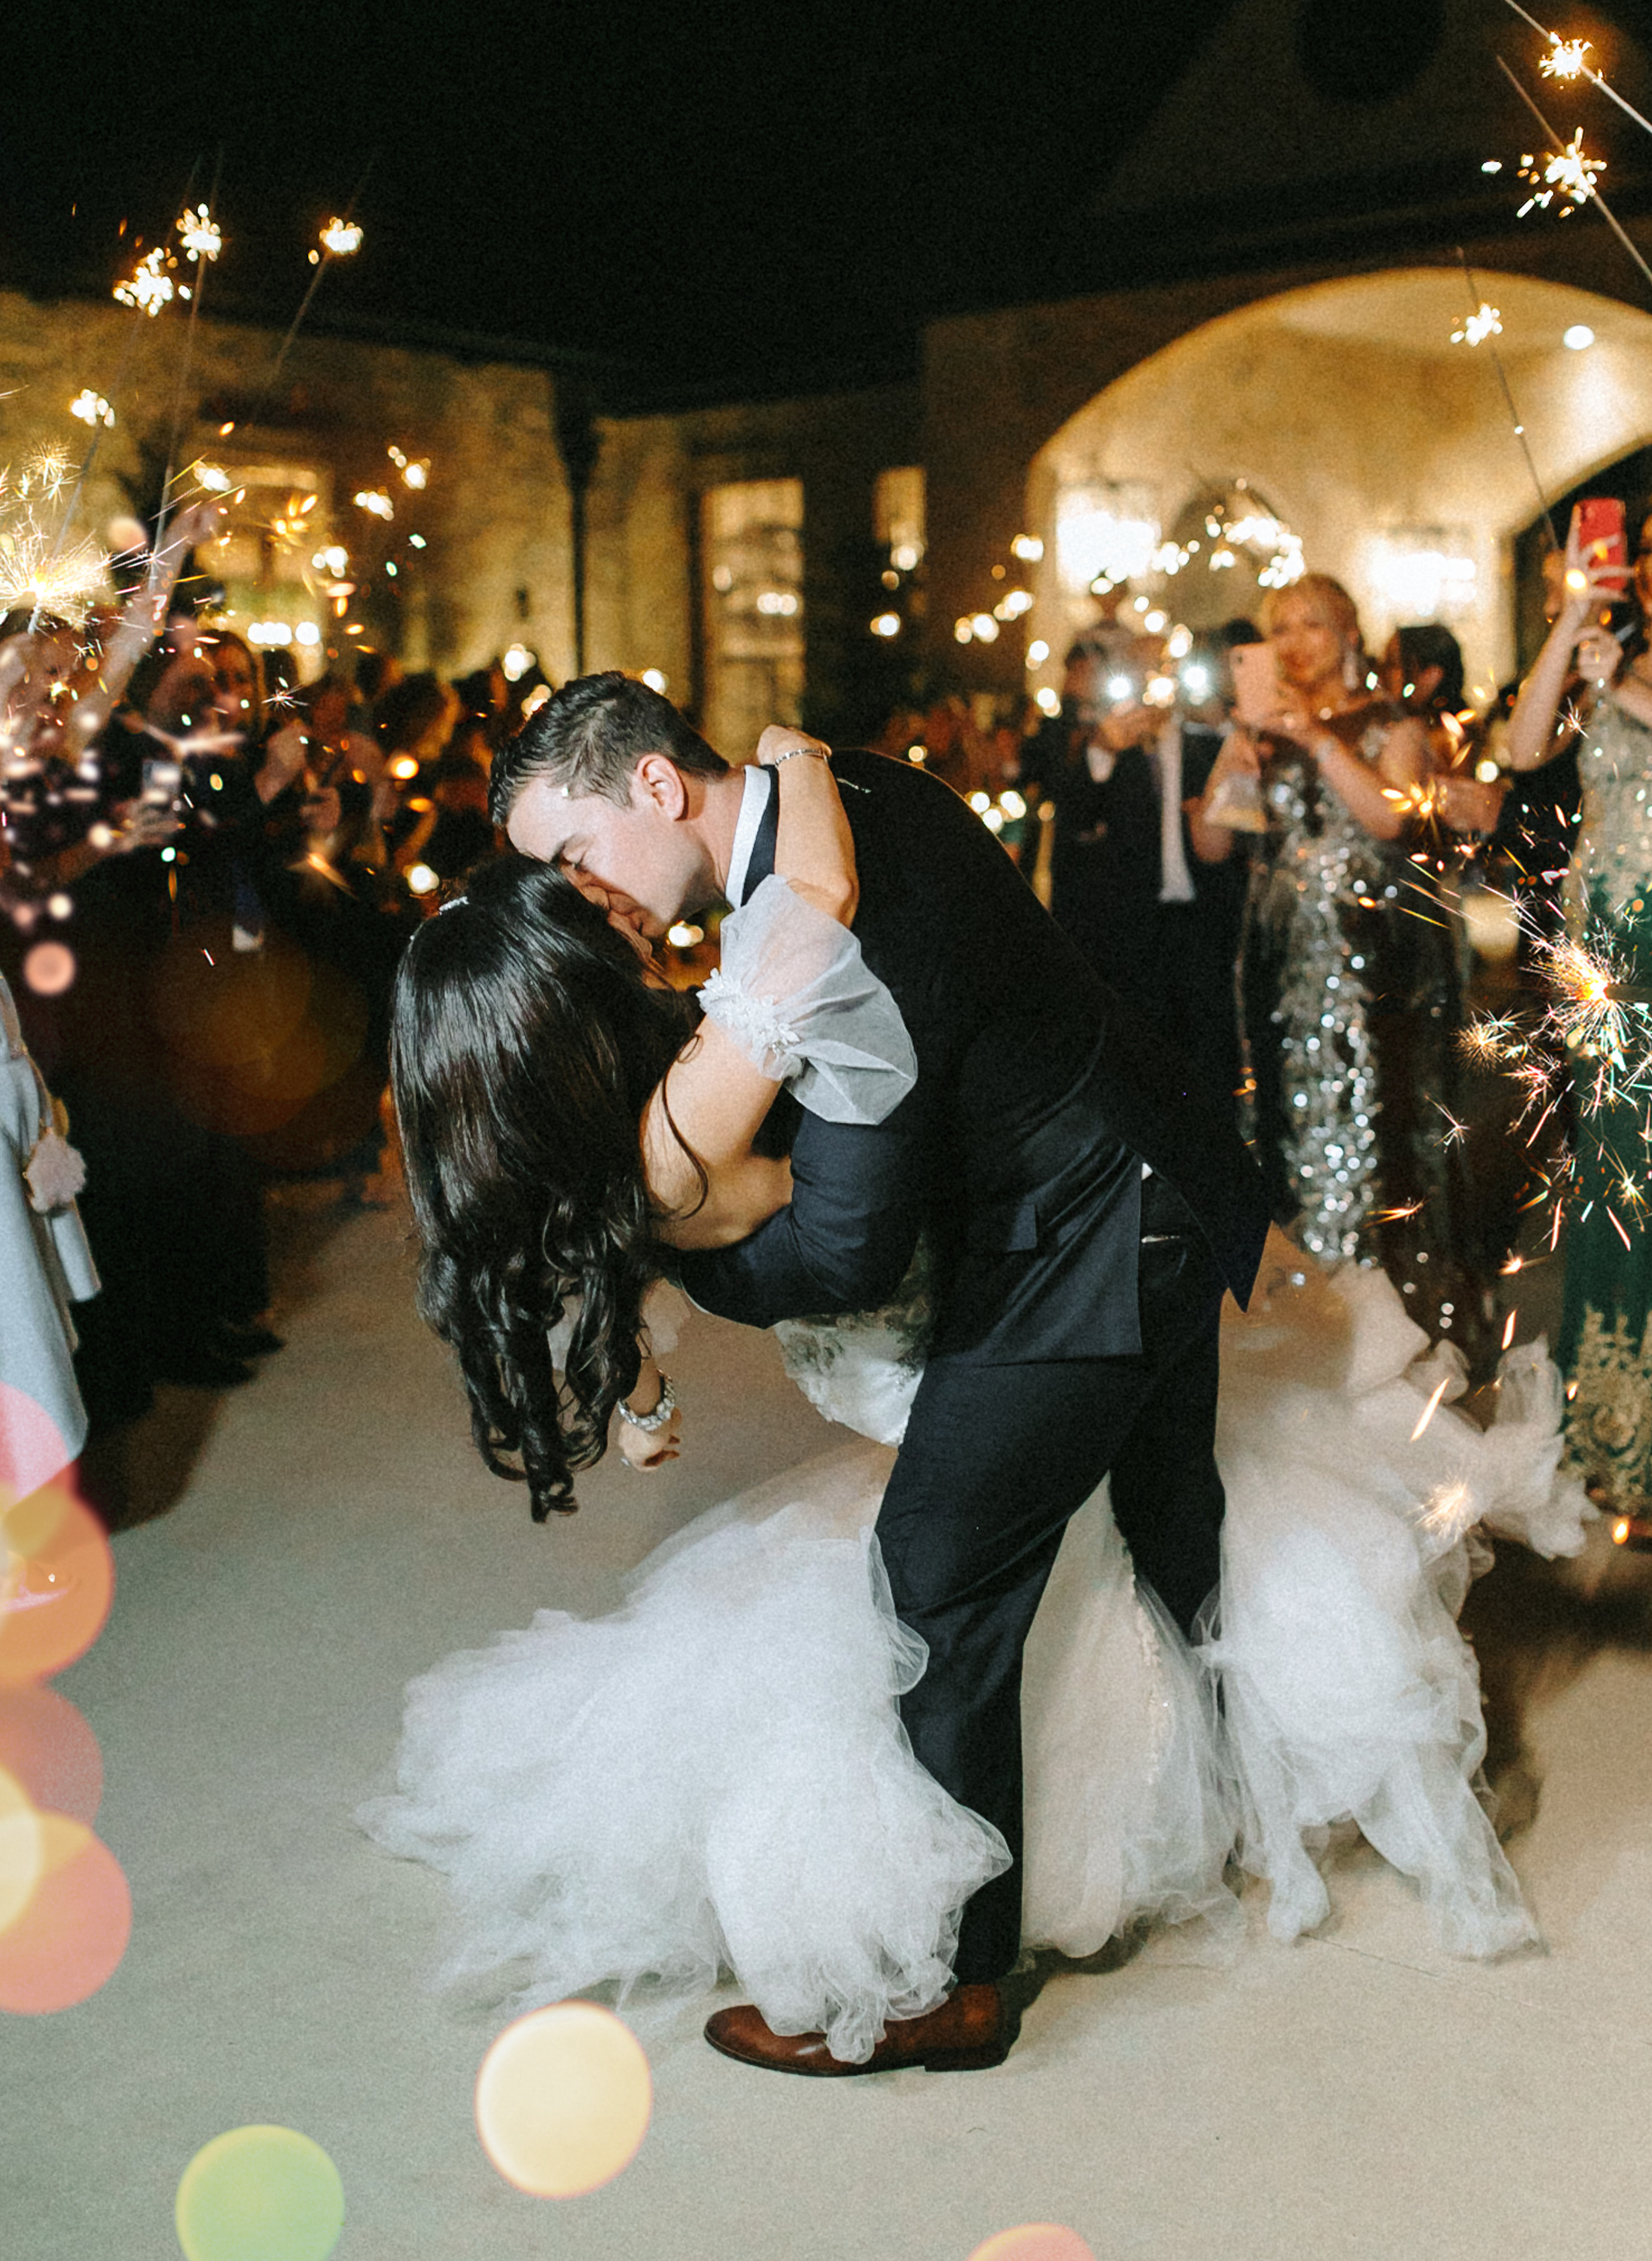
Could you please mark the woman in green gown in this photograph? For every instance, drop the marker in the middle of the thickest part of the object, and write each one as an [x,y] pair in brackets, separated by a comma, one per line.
[1606,1345]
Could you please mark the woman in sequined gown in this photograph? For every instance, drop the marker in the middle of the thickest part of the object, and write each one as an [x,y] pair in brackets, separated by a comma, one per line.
[1349,989]
[1605,1344]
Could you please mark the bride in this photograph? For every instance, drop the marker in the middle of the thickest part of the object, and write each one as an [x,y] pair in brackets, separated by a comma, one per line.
[714,1777]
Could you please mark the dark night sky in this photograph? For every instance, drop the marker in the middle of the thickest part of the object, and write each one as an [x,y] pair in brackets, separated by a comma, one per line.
[720,193]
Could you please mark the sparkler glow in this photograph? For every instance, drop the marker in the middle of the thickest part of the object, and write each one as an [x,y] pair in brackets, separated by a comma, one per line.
[1450,1508]
[148,287]
[376,502]
[1566,174]
[199,234]
[36,568]
[91,408]
[1565,58]
[1487,322]
[342,238]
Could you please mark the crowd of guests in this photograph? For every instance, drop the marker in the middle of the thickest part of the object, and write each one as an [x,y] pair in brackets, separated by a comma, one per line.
[1282,892]
[236,861]
[211,872]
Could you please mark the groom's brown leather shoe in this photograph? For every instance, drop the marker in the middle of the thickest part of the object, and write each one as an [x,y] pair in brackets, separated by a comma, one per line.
[969,2029]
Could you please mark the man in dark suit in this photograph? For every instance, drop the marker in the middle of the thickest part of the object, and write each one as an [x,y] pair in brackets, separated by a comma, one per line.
[1083,1210]
[1159,926]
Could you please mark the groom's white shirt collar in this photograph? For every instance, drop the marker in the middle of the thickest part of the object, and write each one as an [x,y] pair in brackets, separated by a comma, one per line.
[754,801]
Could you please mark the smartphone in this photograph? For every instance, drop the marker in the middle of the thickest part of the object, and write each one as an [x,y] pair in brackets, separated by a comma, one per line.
[1598,525]
[1256,684]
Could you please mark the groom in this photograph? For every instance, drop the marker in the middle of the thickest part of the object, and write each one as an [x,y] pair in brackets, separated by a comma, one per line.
[1083,1212]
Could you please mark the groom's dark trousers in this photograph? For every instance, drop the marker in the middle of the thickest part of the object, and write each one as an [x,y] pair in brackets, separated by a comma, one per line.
[1076,1306]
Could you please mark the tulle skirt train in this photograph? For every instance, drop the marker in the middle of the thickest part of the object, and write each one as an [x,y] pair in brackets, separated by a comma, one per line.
[714,1777]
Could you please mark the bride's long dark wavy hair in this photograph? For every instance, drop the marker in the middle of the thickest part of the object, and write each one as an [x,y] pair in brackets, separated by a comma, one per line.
[524,1047]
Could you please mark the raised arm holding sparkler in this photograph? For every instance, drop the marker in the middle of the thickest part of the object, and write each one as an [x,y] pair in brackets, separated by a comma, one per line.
[1577,651]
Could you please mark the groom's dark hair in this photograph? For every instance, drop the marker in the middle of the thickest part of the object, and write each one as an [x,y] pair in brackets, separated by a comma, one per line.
[590,737]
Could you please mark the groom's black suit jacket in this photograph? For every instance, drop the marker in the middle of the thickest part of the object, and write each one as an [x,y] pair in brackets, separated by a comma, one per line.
[1020,1149]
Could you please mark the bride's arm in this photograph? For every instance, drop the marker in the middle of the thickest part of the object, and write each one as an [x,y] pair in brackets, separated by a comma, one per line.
[706,1110]
[813,847]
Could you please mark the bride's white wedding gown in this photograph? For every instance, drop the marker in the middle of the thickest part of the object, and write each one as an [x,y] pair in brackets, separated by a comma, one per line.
[714,1777]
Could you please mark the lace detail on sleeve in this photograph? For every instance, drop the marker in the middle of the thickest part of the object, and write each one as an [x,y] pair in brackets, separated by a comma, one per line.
[795,994]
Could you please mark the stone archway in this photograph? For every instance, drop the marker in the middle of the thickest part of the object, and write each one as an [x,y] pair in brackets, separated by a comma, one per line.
[1386,447]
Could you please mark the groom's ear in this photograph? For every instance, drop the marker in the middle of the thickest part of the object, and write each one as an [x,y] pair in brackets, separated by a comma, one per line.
[658,784]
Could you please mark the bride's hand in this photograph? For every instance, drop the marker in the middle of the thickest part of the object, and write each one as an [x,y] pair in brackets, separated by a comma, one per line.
[647,1449]
[780,739]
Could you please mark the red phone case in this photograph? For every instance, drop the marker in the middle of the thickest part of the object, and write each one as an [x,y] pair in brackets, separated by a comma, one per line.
[1601,538]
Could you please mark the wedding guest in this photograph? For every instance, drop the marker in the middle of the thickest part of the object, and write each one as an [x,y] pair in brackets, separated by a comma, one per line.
[1349,987]
[1605,1342]
[1158,925]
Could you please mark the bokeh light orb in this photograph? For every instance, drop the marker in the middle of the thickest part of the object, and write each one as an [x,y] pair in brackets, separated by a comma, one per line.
[260,2194]
[32,1448]
[562,2100]
[22,1848]
[70,1939]
[49,968]
[48,1749]
[1034,2240]
[57,1579]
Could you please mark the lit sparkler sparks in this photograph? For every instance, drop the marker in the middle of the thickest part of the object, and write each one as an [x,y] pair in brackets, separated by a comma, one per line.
[1450,1508]
[1585,1011]
[376,503]
[91,408]
[36,572]
[342,238]
[1564,174]
[1485,322]
[148,287]
[1565,58]
[1433,1406]
[199,233]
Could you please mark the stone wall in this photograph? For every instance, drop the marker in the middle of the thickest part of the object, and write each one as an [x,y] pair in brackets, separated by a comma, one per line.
[494,513]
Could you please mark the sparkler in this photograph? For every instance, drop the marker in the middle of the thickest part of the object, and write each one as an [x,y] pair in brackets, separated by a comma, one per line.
[1567,173]
[203,240]
[37,568]
[1565,61]
[1476,305]
[1485,322]
[1565,58]
[199,233]
[148,287]
[91,408]
[340,239]
[1588,168]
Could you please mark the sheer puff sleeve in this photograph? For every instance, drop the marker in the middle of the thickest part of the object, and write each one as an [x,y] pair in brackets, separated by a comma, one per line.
[795,994]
